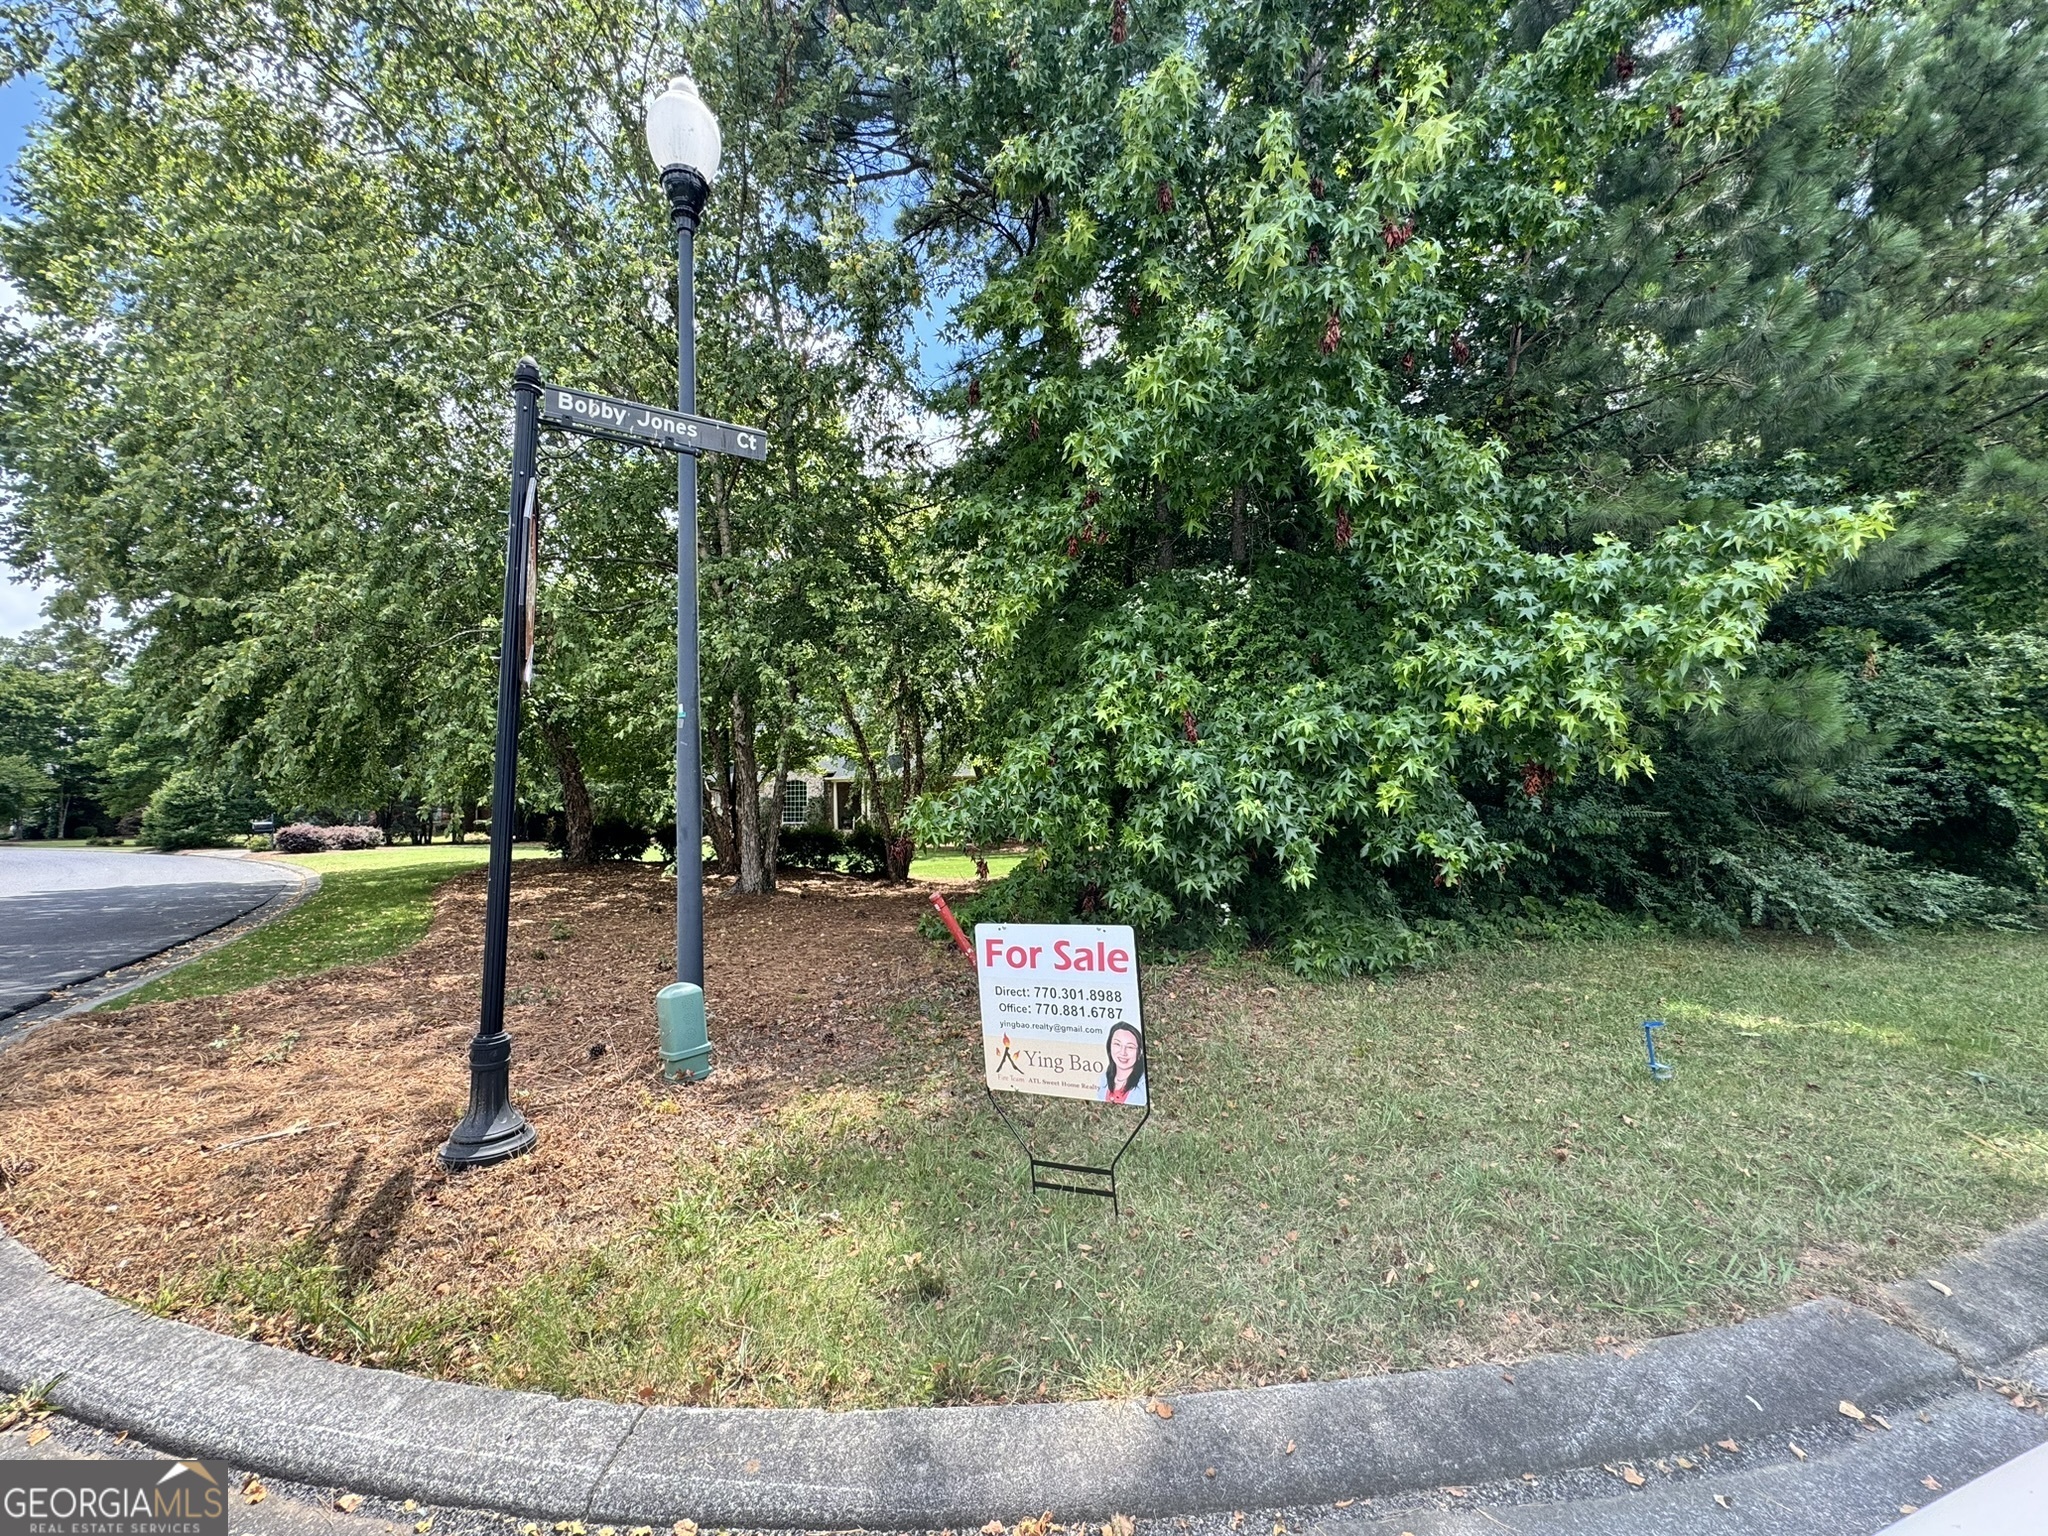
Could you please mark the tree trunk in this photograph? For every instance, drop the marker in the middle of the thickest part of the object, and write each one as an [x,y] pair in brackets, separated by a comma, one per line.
[910,783]
[720,824]
[1164,515]
[578,820]
[898,853]
[1240,535]
[746,794]
[773,849]
[878,805]
[771,831]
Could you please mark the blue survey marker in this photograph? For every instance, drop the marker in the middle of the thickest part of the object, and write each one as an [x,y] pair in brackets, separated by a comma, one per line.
[1660,1070]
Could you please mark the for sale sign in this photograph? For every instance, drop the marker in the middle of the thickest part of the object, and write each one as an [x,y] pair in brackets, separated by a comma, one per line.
[1059,1010]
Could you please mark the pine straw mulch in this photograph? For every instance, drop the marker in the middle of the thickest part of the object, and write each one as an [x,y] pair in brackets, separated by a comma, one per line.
[116,1130]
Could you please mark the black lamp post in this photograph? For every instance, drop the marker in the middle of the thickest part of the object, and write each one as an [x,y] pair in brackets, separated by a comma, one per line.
[492,1130]
[684,139]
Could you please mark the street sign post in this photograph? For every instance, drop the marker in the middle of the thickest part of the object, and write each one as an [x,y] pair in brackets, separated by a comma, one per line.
[1062,1017]
[493,1129]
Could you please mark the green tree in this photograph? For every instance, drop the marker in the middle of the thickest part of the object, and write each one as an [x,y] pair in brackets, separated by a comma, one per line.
[1254,603]
[40,767]
[1810,269]
[277,267]
[72,753]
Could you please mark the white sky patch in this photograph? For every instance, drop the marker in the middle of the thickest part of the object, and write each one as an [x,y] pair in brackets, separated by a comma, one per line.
[21,601]
[939,435]
[899,414]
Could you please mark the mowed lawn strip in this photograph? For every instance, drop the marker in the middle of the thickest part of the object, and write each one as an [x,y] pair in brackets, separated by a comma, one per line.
[370,904]
[945,865]
[1337,1179]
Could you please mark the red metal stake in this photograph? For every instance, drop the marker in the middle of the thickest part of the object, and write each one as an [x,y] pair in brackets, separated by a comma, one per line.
[953,923]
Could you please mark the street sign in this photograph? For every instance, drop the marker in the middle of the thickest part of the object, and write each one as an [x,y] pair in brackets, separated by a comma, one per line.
[577,410]
[1060,1014]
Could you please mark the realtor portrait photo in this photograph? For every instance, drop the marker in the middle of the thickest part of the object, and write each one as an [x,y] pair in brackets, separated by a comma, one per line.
[1124,1081]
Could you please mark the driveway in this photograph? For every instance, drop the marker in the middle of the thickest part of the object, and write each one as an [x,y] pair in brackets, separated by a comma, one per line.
[69,914]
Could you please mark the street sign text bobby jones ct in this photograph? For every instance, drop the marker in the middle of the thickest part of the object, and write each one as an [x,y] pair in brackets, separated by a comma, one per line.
[577,410]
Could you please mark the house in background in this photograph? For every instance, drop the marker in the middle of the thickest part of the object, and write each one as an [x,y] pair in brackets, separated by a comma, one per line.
[833,792]
[830,793]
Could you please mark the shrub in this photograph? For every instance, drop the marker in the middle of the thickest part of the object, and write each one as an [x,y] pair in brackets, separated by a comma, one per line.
[810,848]
[612,838]
[187,811]
[617,838]
[859,852]
[300,837]
[305,837]
[866,852]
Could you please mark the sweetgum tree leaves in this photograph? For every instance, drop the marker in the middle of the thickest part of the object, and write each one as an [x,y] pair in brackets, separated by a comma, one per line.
[1163,380]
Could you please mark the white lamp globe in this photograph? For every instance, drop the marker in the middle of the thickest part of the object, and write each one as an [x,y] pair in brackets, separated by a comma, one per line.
[681,132]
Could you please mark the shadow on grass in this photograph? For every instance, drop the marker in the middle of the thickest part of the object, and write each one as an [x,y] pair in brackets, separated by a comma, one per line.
[317,1295]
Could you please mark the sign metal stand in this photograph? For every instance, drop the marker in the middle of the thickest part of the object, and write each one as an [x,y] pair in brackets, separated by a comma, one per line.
[1040,1166]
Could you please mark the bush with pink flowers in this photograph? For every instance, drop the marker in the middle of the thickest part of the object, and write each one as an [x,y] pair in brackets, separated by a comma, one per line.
[305,837]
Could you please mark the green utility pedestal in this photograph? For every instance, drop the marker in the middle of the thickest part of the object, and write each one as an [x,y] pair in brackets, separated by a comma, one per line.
[685,1043]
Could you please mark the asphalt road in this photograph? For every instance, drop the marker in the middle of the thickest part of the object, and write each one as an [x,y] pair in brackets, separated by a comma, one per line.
[1853,1492]
[69,914]
[281,1509]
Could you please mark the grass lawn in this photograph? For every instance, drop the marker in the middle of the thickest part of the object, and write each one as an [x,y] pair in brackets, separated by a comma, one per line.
[944,864]
[1336,1179]
[372,903]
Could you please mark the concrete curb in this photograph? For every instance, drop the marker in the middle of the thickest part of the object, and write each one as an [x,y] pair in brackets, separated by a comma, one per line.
[84,996]
[291,1416]
[1986,1307]
[1275,1446]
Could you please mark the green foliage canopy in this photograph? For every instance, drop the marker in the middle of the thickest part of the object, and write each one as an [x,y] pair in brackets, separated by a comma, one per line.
[277,266]
[1260,601]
